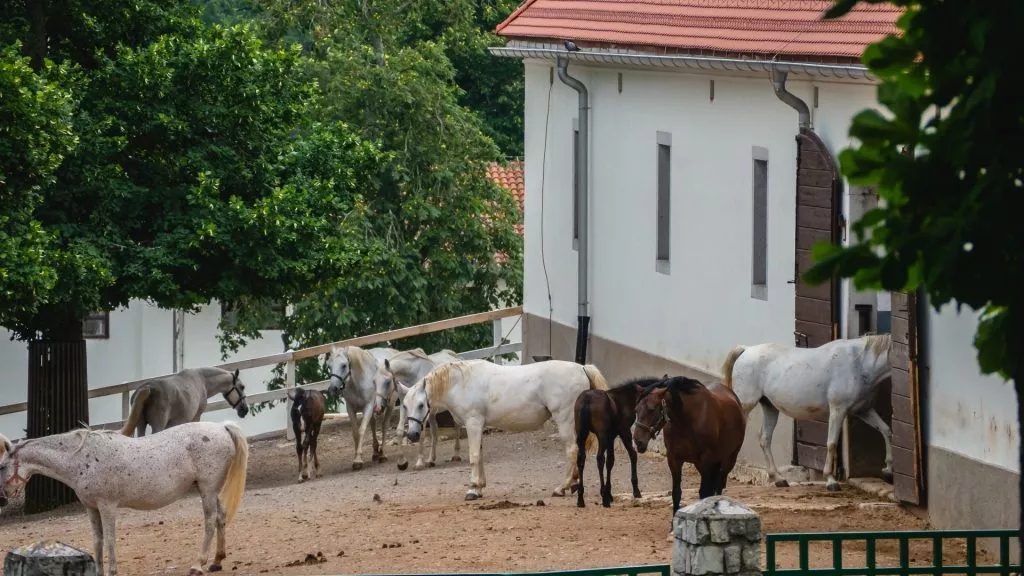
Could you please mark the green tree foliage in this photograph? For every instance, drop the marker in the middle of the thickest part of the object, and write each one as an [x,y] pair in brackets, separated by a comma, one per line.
[35,136]
[187,182]
[948,162]
[441,240]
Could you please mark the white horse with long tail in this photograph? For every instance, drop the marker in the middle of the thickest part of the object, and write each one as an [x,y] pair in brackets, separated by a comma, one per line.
[479,393]
[394,377]
[108,470]
[352,372]
[836,379]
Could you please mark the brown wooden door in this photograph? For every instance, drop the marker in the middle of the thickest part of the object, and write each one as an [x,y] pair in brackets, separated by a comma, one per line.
[908,469]
[817,318]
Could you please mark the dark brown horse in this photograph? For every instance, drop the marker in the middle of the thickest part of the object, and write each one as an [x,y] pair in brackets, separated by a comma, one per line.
[608,413]
[307,416]
[704,425]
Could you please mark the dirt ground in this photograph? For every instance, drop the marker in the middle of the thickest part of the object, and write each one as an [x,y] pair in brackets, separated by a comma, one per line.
[382,520]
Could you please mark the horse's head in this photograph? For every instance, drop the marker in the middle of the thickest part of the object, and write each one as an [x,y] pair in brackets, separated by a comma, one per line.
[9,474]
[235,395]
[341,369]
[416,406]
[651,415]
[383,386]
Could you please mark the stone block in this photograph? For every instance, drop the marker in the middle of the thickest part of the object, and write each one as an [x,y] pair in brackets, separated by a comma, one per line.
[719,529]
[707,560]
[733,556]
[49,558]
[703,535]
[754,529]
[737,527]
[752,557]
[681,559]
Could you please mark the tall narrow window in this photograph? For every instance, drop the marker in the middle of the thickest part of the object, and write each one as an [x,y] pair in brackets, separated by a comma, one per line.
[664,200]
[759,281]
[575,183]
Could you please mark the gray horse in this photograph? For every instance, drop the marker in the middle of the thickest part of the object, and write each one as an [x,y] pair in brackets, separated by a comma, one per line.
[179,398]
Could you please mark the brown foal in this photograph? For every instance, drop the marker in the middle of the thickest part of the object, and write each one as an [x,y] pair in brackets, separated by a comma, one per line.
[704,425]
[608,413]
[307,416]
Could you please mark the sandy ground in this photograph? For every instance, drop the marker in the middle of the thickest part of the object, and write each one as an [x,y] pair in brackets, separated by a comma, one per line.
[381,520]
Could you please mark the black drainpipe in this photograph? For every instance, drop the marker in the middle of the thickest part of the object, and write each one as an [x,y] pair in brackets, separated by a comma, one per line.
[583,318]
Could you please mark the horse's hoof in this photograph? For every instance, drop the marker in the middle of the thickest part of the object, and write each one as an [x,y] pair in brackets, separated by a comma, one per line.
[357,465]
[301,479]
[472,495]
[560,493]
[832,487]
[403,465]
[382,458]
[580,503]
[606,504]
[214,568]
[456,459]
[419,466]
[781,483]
[195,572]
[431,465]
[887,477]
[636,494]
[375,458]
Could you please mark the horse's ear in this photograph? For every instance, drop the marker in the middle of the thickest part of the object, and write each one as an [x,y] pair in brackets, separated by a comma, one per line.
[235,375]
[6,445]
[402,388]
[387,365]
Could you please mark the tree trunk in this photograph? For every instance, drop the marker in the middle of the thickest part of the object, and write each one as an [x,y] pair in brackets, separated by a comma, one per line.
[36,44]
[58,401]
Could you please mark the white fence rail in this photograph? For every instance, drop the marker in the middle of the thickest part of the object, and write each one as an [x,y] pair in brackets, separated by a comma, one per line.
[291,357]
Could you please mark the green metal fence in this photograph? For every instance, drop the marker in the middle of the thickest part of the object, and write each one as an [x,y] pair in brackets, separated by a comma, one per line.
[659,569]
[870,541]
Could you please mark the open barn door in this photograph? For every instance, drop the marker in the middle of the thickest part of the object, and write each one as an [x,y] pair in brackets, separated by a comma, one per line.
[818,207]
[908,465]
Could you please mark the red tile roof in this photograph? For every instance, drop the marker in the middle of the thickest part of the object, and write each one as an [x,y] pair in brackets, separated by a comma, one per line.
[510,177]
[756,27]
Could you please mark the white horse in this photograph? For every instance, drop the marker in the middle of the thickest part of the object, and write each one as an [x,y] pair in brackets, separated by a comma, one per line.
[833,380]
[394,377]
[108,470]
[352,372]
[479,393]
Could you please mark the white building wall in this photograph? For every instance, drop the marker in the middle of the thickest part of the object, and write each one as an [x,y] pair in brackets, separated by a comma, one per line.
[968,413]
[141,346]
[709,284]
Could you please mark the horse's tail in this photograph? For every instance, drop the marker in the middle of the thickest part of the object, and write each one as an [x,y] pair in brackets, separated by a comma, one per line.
[730,361]
[234,482]
[597,381]
[136,414]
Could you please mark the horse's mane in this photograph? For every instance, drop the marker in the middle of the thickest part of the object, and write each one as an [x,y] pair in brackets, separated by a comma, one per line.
[674,383]
[642,381]
[439,380]
[877,343]
[358,359]
[415,353]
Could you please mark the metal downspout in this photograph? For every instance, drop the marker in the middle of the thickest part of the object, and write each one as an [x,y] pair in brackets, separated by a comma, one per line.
[779,85]
[581,192]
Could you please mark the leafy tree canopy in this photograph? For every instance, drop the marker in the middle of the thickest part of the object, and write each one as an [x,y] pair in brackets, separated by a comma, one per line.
[948,161]
[188,178]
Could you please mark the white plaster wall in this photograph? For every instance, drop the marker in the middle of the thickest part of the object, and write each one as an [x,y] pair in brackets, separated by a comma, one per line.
[703,307]
[140,346]
[968,413]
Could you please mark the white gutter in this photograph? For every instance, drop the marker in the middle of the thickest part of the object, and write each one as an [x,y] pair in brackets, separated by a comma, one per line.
[624,57]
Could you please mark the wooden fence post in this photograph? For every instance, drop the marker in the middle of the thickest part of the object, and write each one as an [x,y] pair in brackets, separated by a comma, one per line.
[289,382]
[496,329]
[126,402]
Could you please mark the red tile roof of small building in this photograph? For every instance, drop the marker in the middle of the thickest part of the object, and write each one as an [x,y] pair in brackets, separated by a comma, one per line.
[510,177]
[755,27]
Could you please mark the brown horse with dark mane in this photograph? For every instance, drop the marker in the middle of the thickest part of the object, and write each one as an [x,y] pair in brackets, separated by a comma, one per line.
[307,415]
[608,413]
[704,425]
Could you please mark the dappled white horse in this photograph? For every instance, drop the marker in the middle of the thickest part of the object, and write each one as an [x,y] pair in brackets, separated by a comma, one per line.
[394,377]
[831,381]
[108,470]
[514,398]
[352,372]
